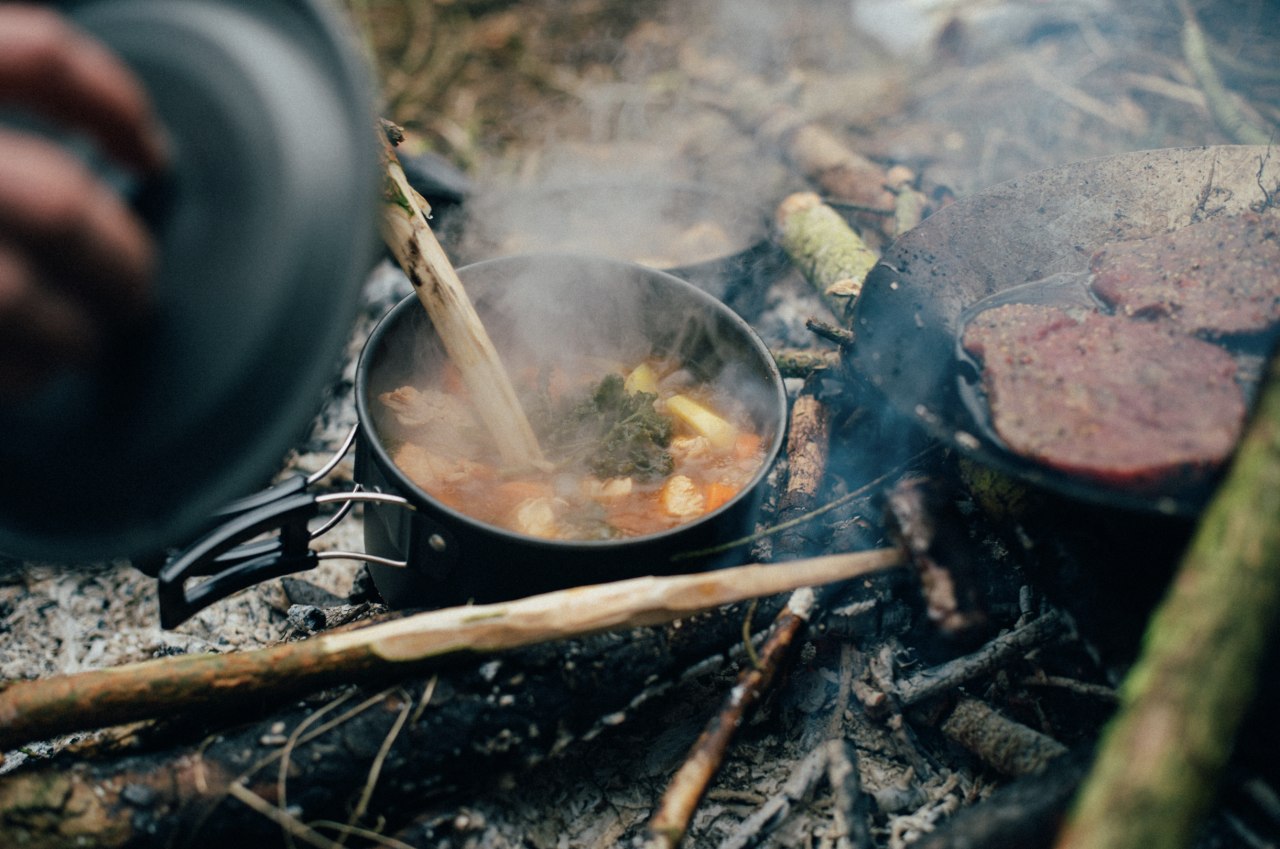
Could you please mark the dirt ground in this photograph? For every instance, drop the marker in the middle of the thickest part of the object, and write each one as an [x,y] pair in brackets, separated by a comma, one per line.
[568,92]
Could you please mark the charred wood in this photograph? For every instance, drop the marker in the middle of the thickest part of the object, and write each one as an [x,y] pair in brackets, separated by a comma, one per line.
[928,526]
[671,820]
[429,739]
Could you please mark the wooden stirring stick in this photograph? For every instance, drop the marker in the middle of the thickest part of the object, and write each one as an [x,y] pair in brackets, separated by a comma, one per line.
[404,227]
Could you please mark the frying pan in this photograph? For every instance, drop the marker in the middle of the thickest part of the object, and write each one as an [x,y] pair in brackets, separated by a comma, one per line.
[1044,225]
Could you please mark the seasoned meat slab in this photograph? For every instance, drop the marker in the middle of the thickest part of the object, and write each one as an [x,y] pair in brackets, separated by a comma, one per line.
[1119,401]
[1220,276]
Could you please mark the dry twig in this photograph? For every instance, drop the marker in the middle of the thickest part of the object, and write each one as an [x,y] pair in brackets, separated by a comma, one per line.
[669,823]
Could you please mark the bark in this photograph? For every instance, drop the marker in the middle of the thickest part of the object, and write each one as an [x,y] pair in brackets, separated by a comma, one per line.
[829,253]
[455,733]
[808,444]
[676,809]
[33,710]
[1162,756]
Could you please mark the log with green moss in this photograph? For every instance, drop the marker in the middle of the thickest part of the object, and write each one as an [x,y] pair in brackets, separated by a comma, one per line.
[830,253]
[1163,754]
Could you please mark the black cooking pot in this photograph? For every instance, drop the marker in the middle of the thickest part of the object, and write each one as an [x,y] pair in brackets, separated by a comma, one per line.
[423,553]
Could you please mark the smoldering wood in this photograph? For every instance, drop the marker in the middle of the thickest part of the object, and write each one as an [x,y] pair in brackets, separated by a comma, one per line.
[926,523]
[33,710]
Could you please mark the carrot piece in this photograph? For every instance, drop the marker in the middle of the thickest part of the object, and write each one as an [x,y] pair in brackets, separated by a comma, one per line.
[747,445]
[718,494]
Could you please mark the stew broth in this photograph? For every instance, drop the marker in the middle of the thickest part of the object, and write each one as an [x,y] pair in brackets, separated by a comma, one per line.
[704,451]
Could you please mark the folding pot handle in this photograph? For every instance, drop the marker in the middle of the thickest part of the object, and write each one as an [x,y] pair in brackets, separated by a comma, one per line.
[233,563]
[235,554]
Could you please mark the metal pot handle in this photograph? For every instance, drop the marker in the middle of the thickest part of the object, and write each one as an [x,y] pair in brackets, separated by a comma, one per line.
[232,557]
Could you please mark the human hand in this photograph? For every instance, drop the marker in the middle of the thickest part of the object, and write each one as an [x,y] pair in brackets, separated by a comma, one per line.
[75,261]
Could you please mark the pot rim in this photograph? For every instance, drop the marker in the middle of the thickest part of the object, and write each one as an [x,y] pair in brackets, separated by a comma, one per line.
[421,498]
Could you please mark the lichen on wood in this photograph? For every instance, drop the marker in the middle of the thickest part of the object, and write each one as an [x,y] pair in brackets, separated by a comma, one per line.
[830,253]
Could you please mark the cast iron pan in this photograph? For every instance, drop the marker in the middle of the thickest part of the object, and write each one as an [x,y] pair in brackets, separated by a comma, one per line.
[1045,225]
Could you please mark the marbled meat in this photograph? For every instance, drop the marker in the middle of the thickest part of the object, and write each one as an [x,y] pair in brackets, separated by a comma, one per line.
[1127,403]
[1218,277]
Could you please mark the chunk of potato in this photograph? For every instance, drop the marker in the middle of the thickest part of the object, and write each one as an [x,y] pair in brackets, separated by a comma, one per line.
[680,497]
[642,379]
[703,421]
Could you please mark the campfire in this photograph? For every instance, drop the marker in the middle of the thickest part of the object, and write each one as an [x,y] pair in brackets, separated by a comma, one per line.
[918,632]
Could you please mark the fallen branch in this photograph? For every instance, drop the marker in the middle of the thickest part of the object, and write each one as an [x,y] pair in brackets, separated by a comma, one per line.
[35,710]
[1008,747]
[829,253]
[404,227]
[471,723]
[1163,754]
[993,655]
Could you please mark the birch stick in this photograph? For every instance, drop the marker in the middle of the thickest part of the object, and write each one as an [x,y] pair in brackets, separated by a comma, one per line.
[404,227]
[36,710]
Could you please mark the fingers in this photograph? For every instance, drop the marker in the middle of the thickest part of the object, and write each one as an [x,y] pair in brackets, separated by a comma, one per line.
[50,68]
[79,234]
[40,332]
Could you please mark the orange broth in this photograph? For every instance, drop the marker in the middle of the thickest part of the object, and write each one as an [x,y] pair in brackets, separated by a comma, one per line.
[575,504]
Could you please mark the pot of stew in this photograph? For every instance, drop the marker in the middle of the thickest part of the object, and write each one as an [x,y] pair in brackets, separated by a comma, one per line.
[658,410]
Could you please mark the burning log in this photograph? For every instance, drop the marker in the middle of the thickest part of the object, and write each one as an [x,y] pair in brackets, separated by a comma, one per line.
[831,255]
[406,231]
[1181,704]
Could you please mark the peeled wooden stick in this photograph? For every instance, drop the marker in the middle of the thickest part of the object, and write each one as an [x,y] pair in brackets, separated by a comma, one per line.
[40,709]
[405,230]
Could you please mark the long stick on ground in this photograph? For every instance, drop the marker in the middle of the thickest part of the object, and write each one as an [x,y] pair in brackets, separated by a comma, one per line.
[41,709]
[1162,756]
[404,227]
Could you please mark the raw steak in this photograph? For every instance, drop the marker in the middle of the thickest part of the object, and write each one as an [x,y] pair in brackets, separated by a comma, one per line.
[1220,276]
[1116,400]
